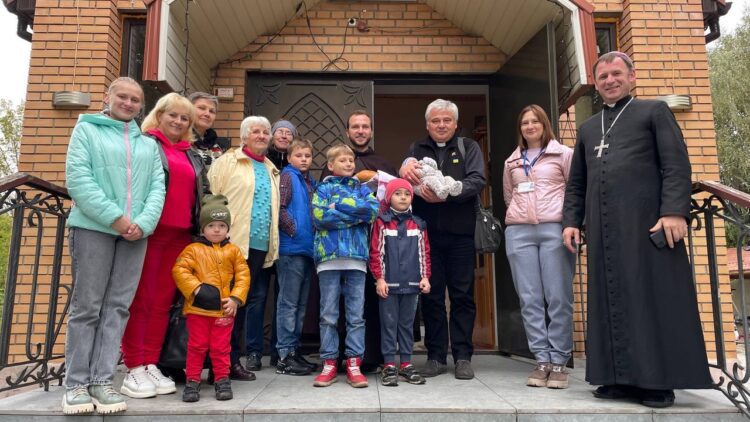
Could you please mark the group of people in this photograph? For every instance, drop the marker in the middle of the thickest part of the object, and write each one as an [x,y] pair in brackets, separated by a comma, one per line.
[221,222]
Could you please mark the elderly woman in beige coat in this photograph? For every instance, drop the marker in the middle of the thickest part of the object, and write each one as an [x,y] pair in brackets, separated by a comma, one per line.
[250,182]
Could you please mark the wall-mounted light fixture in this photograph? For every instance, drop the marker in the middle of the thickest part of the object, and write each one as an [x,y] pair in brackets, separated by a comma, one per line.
[677,102]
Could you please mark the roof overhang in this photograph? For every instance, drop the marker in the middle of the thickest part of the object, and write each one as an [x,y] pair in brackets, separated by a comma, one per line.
[218,30]
[24,9]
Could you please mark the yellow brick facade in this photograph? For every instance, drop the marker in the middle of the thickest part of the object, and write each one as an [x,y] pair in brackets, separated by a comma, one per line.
[664,38]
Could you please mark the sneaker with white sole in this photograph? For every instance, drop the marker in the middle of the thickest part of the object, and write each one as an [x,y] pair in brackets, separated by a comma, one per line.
[77,401]
[164,384]
[138,384]
[107,399]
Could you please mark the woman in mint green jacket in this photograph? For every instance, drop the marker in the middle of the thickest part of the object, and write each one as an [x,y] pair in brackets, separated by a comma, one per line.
[115,177]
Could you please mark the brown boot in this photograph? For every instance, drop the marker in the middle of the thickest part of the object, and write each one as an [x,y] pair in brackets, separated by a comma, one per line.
[558,377]
[538,377]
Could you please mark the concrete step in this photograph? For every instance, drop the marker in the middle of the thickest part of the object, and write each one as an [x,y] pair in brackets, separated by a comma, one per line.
[498,393]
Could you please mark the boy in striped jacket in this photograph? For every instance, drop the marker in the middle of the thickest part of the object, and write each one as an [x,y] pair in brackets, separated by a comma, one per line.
[400,262]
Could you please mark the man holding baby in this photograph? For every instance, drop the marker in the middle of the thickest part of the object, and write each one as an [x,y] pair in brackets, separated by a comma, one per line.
[450,223]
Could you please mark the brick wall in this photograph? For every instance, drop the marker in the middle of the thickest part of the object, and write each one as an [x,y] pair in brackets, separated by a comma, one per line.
[648,30]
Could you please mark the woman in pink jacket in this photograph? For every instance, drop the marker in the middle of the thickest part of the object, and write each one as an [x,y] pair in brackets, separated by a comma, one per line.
[534,181]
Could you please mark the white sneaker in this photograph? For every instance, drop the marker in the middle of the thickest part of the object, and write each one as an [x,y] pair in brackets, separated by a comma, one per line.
[138,384]
[164,384]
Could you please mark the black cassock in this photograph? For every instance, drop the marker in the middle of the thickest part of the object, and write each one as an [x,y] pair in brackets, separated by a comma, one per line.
[643,323]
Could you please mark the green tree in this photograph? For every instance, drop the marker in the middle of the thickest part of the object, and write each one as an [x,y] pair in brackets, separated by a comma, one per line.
[11,124]
[729,70]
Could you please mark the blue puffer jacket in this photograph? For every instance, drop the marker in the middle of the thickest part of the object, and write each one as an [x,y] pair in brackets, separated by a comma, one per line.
[113,170]
[342,231]
[299,208]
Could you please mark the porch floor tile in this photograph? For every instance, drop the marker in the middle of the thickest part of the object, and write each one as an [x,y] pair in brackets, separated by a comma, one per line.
[498,393]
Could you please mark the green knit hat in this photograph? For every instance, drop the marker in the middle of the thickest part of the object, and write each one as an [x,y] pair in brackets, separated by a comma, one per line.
[214,208]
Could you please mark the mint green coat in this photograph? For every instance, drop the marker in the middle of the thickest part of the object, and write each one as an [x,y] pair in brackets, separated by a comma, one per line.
[113,170]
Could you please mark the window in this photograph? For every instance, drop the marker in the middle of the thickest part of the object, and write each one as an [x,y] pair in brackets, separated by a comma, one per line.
[131,62]
[606,41]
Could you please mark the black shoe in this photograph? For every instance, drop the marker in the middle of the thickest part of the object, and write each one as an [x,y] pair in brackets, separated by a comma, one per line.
[252,362]
[612,392]
[291,366]
[223,389]
[301,359]
[656,398]
[433,368]
[237,372]
[191,393]
[389,376]
[464,371]
[410,374]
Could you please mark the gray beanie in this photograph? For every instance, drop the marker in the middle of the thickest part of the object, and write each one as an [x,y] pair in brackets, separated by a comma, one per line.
[286,124]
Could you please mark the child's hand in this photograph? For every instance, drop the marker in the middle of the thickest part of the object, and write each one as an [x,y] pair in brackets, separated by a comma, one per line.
[382,288]
[424,285]
[332,206]
[230,306]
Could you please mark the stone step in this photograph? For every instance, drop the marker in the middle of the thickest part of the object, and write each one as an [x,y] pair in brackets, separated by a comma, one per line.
[498,393]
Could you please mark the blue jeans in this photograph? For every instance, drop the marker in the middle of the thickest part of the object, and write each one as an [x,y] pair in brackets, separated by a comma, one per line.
[334,283]
[294,273]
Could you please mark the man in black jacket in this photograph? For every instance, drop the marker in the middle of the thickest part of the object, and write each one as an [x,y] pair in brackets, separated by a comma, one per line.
[450,223]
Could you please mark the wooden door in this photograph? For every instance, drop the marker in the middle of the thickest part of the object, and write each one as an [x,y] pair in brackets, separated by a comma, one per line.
[484,277]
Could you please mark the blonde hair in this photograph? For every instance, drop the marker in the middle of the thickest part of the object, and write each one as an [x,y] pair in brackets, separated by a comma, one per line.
[337,150]
[298,143]
[168,102]
[125,80]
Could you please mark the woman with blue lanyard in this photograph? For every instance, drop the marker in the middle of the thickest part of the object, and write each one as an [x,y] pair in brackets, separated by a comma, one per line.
[534,180]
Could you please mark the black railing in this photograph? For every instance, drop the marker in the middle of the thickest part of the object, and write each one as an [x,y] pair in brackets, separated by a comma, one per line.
[36,303]
[713,201]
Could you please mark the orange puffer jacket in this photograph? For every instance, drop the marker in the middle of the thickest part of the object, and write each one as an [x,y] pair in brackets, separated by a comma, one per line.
[212,266]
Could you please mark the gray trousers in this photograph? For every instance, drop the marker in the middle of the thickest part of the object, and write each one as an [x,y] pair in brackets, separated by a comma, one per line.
[106,270]
[543,272]
[397,313]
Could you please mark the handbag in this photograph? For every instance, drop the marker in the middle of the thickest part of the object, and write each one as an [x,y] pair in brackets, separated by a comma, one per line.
[488,233]
[174,349]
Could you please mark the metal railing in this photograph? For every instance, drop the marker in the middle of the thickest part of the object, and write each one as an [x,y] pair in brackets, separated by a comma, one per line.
[713,201]
[39,211]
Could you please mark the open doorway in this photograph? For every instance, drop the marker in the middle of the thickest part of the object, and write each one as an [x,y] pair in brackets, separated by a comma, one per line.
[398,114]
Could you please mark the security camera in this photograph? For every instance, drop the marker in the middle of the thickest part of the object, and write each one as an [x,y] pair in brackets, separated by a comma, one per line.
[352,22]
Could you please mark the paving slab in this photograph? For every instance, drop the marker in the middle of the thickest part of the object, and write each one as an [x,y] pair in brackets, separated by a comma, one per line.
[498,393]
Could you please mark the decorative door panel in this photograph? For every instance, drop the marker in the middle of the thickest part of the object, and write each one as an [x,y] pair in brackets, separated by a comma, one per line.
[317,107]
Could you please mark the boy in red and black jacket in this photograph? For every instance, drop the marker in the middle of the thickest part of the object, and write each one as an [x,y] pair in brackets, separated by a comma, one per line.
[400,262]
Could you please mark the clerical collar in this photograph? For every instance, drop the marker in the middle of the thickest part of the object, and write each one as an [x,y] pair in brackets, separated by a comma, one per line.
[621,102]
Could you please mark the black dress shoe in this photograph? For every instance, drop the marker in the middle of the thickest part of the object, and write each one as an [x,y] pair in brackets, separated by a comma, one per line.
[615,391]
[252,362]
[238,373]
[301,360]
[656,398]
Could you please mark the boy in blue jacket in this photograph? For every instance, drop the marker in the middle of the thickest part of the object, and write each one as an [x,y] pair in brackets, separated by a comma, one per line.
[343,209]
[295,265]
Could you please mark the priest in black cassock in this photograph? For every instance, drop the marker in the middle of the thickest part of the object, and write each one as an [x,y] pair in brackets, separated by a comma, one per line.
[629,179]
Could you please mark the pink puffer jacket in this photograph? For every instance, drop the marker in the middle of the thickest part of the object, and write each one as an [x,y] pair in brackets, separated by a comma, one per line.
[549,174]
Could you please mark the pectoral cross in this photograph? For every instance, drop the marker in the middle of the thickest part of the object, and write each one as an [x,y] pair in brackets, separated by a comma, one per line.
[602,146]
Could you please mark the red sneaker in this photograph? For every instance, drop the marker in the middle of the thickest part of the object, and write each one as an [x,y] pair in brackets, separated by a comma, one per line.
[353,374]
[327,375]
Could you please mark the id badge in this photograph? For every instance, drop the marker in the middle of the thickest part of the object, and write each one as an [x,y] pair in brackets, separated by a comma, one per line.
[525,187]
